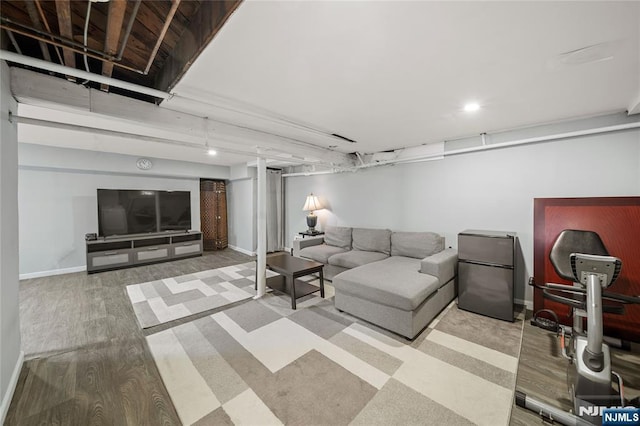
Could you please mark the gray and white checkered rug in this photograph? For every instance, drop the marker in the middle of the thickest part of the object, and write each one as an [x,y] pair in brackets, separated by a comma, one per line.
[262,363]
[169,299]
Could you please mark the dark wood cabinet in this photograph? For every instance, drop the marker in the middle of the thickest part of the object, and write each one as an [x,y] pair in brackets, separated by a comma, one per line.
[213,214]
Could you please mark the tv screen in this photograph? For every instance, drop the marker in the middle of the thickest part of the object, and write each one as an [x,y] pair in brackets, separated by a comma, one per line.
[127,211]
[175,210]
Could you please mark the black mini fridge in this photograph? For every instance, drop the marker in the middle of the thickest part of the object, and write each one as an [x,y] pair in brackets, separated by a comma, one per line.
[486,272]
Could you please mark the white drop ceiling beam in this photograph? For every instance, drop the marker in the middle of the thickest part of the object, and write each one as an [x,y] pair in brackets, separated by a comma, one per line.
[222,146]
[246,115]
[74,72]
[42,90]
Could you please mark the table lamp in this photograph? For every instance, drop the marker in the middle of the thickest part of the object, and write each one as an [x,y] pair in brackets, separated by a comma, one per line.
[310,205]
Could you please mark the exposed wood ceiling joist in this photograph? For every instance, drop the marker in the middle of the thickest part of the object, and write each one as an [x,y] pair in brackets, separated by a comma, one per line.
[35,19]
[114,28]
[163,32]
[66,29]
[204,26]
[45,21]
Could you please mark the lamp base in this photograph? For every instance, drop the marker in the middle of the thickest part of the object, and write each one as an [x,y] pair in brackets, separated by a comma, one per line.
[312,220]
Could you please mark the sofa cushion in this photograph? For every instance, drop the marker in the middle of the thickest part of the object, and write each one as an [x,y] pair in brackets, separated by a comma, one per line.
[366,239]
[355,258]
[416,244]
[338,236]
[394,282]
[320,253]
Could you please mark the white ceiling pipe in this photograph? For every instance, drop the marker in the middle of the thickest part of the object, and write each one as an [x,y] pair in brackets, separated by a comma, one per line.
[435,156]
[323,172]
[50,66]
[439,156]
[421,160]
[548,138]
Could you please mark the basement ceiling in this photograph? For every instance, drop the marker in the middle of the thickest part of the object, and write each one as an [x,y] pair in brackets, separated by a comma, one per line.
[383,75]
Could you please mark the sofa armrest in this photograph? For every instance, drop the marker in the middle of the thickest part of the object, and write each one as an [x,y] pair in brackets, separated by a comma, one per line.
[306,242]
[443,265]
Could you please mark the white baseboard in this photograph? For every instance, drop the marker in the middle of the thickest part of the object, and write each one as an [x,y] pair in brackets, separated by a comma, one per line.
[241,250]
[6,399]
[53,272]
[527,303]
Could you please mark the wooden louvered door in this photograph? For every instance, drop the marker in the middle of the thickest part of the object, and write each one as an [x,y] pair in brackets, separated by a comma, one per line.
[213,214]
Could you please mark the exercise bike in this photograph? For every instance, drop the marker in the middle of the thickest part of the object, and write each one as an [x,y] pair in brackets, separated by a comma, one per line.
[580,256]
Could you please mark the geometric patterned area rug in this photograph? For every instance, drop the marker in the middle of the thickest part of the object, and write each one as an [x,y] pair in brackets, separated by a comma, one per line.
[169,299]
[262,363]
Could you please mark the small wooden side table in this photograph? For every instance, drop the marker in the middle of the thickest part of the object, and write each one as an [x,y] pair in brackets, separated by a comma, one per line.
[310,234]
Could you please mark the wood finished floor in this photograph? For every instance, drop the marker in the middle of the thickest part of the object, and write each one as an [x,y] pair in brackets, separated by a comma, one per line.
[542,372]
[86,359]
[87,362]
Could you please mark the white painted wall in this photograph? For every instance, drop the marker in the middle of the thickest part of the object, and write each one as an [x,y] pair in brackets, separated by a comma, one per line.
[58,203]
[487,190]
[241,213]
[10,343]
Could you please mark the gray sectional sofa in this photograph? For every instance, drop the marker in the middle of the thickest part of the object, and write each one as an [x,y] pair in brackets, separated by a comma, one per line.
[397,280]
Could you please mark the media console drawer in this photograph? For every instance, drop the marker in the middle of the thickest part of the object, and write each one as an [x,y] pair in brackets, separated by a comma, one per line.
[110,258]
[152,253]
[184,249]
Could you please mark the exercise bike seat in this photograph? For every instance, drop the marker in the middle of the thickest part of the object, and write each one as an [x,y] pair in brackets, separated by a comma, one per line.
[574,241]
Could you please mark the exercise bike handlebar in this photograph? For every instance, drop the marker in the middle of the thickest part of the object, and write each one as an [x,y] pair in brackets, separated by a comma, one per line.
[580,304]
[606,295]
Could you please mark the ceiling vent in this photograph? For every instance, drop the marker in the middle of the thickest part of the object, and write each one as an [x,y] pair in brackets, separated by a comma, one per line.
[343,138]
[587,55]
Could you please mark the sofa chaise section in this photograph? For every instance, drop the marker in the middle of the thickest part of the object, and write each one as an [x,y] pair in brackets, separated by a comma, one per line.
[396,294]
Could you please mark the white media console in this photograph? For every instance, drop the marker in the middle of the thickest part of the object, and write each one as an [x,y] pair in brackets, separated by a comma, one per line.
[133,250]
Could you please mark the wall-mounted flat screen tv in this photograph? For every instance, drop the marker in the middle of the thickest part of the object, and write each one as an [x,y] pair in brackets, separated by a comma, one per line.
[128,211]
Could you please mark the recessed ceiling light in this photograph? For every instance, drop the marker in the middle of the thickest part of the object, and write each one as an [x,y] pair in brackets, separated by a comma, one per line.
[212,152]
[472,106]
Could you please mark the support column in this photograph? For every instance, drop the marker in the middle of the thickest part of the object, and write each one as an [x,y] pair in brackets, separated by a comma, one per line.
[11,354]
[262,228]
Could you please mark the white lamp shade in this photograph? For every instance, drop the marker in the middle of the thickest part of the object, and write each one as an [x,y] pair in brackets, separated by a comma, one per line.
[312,203]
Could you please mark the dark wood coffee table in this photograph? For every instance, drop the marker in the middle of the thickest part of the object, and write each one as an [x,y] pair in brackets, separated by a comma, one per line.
[291,268]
